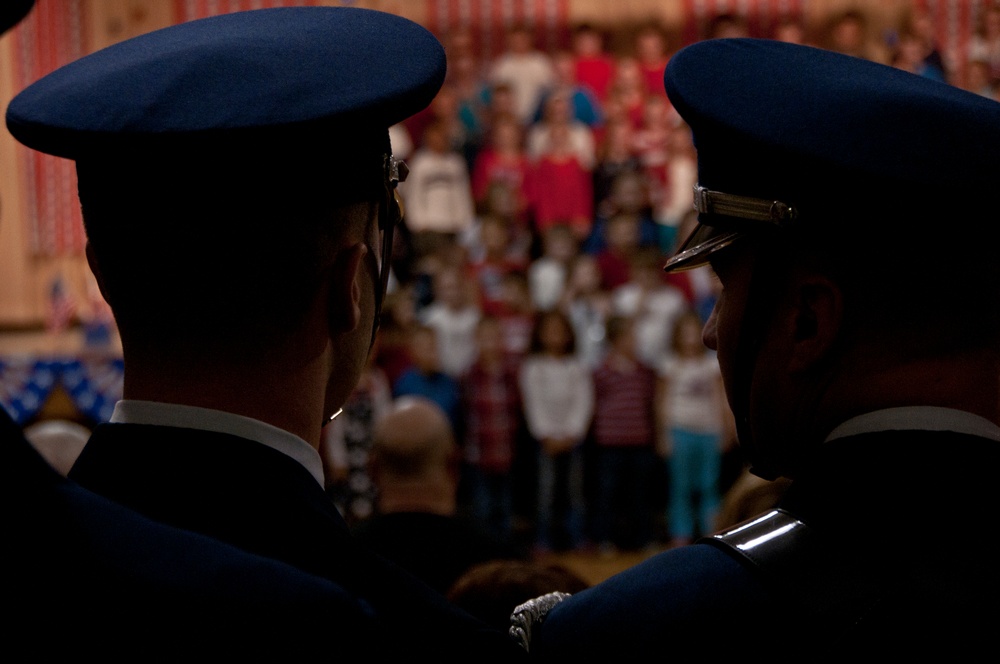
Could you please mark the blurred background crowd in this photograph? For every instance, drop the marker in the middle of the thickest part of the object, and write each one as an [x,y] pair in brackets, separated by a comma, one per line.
[545,188]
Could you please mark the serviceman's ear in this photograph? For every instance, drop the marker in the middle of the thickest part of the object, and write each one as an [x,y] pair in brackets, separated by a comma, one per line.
[92,262]
[346,289]
[818,314]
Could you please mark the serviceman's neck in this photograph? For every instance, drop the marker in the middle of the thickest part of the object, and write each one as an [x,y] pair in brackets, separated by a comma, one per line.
[290,400]
[970,384]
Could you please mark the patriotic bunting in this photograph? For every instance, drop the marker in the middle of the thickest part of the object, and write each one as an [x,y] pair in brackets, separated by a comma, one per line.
[93,384]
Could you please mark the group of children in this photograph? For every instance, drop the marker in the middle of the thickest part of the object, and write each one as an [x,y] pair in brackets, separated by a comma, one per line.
[587,407]
[529,302]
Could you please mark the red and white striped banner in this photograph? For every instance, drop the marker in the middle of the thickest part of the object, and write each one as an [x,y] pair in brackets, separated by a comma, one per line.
[50,36]
[954,24]
[189,10]
[760,15]
[488,20]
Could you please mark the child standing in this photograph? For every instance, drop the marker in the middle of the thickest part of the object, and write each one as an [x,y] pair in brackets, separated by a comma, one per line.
[681,175]
[493,263]
[560,188]
[624,433]
[547,273]
[615,155]
[653,303]
[453,313]
[558,406]
[594,67]
[491,400]
[516,313]
[424,377]
[438,192]
[502,160]
[695,414]
[588,305]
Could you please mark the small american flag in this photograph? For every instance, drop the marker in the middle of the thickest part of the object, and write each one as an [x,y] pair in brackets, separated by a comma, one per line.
[62,309]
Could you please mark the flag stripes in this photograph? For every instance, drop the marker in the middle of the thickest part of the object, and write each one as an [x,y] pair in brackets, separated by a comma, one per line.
[49,37]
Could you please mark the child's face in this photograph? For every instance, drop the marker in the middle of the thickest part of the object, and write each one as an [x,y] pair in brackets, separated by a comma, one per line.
[588,44]
[489,340]
[978,73]
[628,75]
[623,232]
[449,289]
[848,35]
[655,112]
[520,41]
[402,309]
[502,101]
[494,236]
[463,66]
[626,343]
[436,140]
[558,109]
[565,67]
[689,336]
[560,246]
[554,335]
[629,193]
[619,137]
[507,136]
[586,276]
[648,276]
[515,294]
[650,46]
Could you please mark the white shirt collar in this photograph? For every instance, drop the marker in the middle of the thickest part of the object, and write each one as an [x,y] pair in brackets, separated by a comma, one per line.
[918,418]
[129,411]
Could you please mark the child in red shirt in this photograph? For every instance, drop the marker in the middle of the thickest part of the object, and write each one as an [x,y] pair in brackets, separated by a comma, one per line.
[560,188]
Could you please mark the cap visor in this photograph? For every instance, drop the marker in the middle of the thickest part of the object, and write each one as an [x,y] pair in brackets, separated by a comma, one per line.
[699,245]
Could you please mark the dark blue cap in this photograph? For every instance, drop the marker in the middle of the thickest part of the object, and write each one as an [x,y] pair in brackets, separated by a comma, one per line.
[244,77]
[791,136]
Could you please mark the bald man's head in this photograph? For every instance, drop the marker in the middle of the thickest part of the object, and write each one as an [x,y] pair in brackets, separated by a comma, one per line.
[413,440]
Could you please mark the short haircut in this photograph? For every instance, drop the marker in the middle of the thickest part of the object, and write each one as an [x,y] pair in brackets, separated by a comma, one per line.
[215,253]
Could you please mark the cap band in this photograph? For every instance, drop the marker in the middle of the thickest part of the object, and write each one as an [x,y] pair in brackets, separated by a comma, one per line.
[742,207]
[713,234]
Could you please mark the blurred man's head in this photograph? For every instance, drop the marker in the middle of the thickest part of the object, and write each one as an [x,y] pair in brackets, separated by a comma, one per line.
[414,458]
